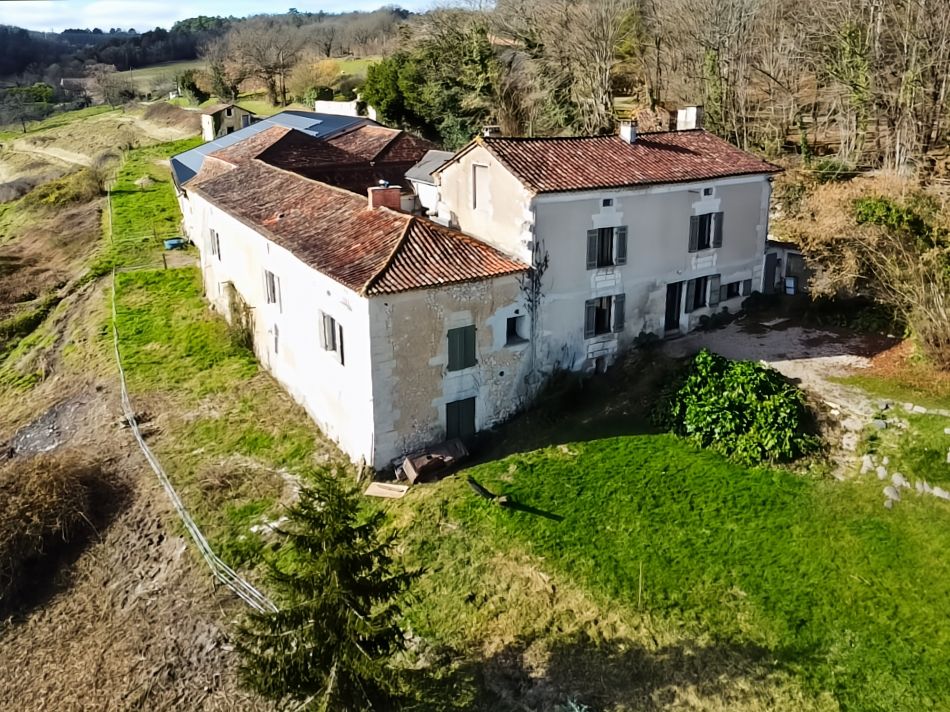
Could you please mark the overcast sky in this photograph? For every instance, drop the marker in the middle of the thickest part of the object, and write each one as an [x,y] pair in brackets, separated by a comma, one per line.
[57,15]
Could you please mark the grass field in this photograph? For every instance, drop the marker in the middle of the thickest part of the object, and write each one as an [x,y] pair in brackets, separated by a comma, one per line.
[814,576]
[147,77]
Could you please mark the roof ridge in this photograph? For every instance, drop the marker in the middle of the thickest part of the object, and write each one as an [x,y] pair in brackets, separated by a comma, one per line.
[403,236]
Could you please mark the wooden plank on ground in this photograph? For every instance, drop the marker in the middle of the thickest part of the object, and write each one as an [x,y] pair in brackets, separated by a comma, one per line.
[386,490]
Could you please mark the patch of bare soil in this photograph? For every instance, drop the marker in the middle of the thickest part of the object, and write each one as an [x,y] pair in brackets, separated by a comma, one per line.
[44,253]
[130,620]
[902,365]
[164,116]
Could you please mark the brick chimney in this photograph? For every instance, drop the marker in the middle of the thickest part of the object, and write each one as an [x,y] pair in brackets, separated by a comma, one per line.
[385,196]
[628,131]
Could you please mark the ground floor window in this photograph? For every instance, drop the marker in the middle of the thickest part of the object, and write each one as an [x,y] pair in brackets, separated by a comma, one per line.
[696,293]
[517,331]
[731,290]
[331,336]
[603,315]
[460,419]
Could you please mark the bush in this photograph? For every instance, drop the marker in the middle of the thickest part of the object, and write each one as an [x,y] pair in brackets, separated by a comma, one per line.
[828,170]
[744,410]
[47,503]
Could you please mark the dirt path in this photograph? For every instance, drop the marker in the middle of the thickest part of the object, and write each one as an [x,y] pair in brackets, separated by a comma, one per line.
[58,154]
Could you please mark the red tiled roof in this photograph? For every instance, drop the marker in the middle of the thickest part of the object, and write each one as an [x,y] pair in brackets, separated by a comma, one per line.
[250,147]
[365,141]
[552,165]
[354,161]
[431,255]
[370,251]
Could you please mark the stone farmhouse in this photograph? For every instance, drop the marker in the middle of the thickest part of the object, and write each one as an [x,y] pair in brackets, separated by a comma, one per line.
[397,330]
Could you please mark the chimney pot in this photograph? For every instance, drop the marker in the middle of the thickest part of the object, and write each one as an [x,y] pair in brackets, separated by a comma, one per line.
[628,131]
[388,196]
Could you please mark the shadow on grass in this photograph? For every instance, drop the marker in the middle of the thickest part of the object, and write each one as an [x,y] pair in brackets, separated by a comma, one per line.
[601,675]
[581,408]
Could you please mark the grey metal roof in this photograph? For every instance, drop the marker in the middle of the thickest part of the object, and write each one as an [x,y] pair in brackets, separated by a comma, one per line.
[186,165]
[422,171]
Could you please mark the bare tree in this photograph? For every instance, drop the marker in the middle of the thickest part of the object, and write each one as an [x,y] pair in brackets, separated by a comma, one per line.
[269,50]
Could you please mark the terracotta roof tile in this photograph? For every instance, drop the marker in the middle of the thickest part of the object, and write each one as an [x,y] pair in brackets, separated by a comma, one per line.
[356,161]
[370,251]
[431,255]
[549,165]
[250,147]
[365,141]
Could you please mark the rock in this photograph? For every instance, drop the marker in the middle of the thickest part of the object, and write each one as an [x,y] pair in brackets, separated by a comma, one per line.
[919,486]
[878,424]
[948,457]
[881,472]
[888,503]
[849,441]
[853,424]
[891,493]
[885,460]
[927,488]
[909,407]
[941,493]
[919,409]
[946,431]
[899,480]
[885,405]
[867,464]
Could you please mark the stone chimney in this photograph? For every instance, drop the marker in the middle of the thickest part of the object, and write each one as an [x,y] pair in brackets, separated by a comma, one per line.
[689,117]
[628,131]
[385,196]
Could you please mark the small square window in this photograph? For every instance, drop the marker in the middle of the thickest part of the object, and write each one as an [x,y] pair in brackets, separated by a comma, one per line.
[733,290]
[707,192]
[517,331]
[608,202]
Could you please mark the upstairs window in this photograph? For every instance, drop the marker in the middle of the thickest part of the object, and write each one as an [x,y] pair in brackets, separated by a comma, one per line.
[271,288]
[479,187]
[606,247]
[331,336]
[705,231]
[461,348]
[215,241]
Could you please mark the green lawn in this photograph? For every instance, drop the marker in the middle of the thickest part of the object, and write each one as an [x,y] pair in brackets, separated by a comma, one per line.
[847,597]
[146,76]
[56,120]
[141,217]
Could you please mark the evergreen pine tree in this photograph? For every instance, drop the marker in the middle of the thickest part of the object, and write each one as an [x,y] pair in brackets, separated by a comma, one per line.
[338,591]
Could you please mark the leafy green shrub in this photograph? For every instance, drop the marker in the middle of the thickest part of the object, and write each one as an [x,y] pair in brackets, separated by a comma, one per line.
[829,170]
[746,411]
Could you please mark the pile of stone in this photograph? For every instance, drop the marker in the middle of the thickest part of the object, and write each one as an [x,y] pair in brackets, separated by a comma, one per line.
[897,482]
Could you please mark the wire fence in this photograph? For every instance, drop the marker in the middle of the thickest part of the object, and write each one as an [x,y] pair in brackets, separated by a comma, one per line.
[220,570]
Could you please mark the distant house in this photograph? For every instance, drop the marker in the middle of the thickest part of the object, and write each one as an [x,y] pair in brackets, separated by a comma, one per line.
[396,331]
[222,119]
